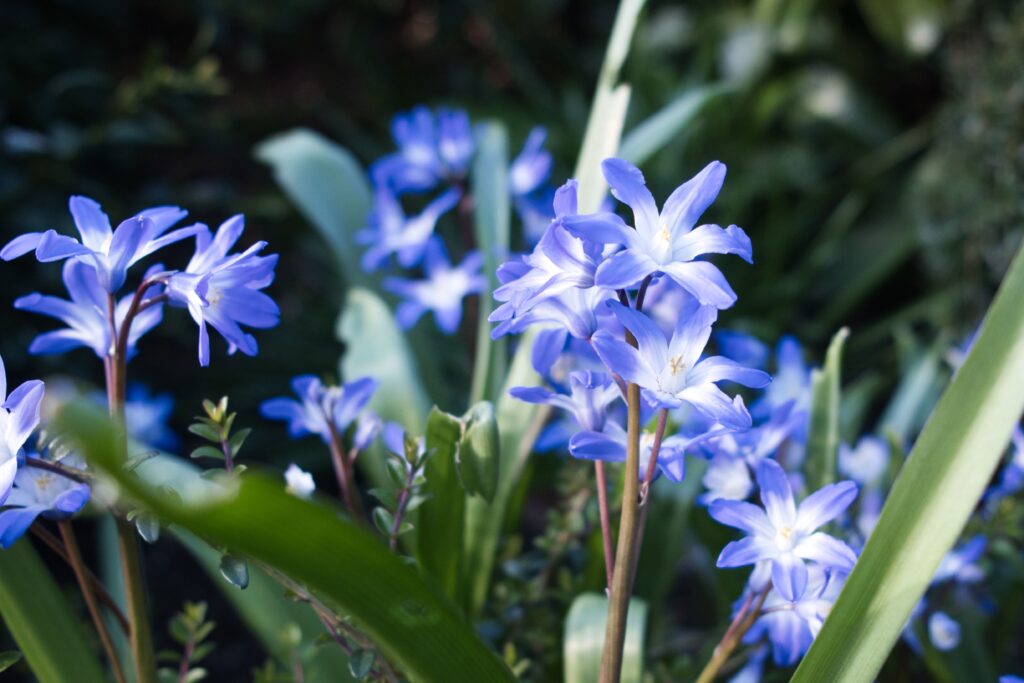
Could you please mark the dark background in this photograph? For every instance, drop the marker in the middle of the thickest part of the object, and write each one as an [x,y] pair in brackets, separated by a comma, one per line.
[875,156]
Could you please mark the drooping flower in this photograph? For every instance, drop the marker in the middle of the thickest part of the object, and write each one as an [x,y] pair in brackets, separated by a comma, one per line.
[391,231]
[223,290]
[670,370]
[441,292]
[298,482]
[38,492]
[785,533]
[320,409]
[86,314]
[591,393]
[664,242]
[110,252]
[19,416]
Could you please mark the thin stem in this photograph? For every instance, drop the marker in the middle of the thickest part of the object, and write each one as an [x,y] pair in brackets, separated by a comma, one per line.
[95,584]
[622,583]
[343,470]
[741,623]
[606,522]
[645,488]
[186,659]
[81,575]
[229,462]
[71,473]
[642,294]
[403,502]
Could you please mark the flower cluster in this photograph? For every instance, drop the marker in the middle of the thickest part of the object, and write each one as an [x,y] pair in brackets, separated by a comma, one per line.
[434,156]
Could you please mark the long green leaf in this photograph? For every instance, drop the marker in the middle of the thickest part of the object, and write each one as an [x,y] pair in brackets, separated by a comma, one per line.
[327,185]
[937,489]
[652,134]
[411,621]
[584,639]
[491,221]
[520,422]
[439,524]
[38,617]
[266,610]
[823,435]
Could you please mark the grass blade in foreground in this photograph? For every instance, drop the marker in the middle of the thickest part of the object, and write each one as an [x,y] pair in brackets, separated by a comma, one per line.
[412,623]
[940,484]
[823,438]
[36,614]
[584,639]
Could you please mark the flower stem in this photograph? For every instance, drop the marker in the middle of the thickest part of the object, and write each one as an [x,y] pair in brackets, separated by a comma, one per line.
[81,575]
[343,470]
[622,582]
[741,623]
[141,636]
[606,522]
[645,488]
[403,502]
[71,473]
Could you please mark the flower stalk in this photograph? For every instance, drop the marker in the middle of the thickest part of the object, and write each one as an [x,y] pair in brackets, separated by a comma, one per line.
[741,623]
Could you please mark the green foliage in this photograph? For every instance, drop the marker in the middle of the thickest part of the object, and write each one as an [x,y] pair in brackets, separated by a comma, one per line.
[215,426]
[584,639]
[939,486]
[479,451]
[9,659]
[823,436]
[190,629]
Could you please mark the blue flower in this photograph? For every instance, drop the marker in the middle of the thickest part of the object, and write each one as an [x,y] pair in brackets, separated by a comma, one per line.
[785,533]
[943,631]
[320,409]
[222,289]
[430,150]
[111,252]
[392,232]
[40,492]
[19,416]
[531,167]
[867,463]
[85,314]
[442,291]
[670,370]
[791,381]
[610,446]
[743,348]
[591,395]
[664,242]
[146,416]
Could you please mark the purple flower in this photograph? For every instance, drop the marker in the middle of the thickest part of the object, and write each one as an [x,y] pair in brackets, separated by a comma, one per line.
[591,395]
[943,631]
[222,289]
[110,252]
[867,463]
[392,232]
[784,533]
[531,168]
[743,348]
[320,409]
[442,291]
[19,416]
[664,242]
[670,370]
[430,150]
[85,314]
[40,492]
[791,382]
[610,446]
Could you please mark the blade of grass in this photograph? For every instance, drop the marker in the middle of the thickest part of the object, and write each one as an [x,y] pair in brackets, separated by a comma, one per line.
[823,437]
[932,499]
[651,135]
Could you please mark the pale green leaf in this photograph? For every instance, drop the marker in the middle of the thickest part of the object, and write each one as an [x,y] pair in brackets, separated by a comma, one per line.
[584,639]
[823,434]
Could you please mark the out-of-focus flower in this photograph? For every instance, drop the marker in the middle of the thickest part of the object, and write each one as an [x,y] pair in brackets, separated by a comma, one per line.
[38,492]
[441,292]
[664,242]
[298,482]
[591,393]
[431,149]
[19,416]
[943,631]
[223,290]
[85,314]
[110,252]
[391,231]
[320,409]
[784,533]
[146,416]
[866,463]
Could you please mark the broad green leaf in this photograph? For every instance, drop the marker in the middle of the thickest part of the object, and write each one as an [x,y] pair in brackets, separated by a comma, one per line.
[480,451]
[409,619]
[652,134]
[584,639]
[439,526]
[491,224]
[39,618]
[327,185]
[266,610]
[932,499]
[823,435]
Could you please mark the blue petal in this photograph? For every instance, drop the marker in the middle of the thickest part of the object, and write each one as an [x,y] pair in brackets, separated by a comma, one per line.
[745,551]
[597,446]
[685,205]
[827,551]
[354,397]
[601,228]
[742,515]
[711,239]
[20,245]
[702,280]
[623,360]
[824,505]
[650,339]
[532,394]
[93,225]
[719,368]
[547,347]
[14,522]
[776,494]
[789,576]
[54,247]
[624,270]
[628,186]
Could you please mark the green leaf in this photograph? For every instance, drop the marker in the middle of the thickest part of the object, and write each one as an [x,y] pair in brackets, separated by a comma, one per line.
[205,431]
[207,452]
[235,570]
[238,439]
[361,663]
[329,188]
[383,520]
[646,139]
[264,608]
[440,522]
[38,617]
[491,224]
[479,452]
[412,623]
[9,659]
[584,639]
[932,499]
[148,527]
[823,434]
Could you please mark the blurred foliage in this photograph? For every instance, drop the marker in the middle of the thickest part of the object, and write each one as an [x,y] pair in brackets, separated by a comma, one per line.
[875,149]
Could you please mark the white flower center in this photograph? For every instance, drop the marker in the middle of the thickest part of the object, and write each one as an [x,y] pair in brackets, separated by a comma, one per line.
[785,538]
